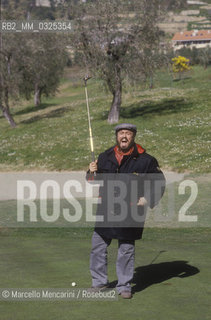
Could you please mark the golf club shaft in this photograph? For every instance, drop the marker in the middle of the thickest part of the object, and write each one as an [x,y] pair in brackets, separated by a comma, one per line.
[157,256]
[90,127]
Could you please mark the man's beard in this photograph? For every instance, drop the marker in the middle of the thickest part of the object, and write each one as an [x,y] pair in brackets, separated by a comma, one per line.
[126,149]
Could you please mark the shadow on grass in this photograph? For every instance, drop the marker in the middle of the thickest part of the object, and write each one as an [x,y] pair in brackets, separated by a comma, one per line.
[52,114]
[146,276]
[181,79]
[166,106]
[30,109]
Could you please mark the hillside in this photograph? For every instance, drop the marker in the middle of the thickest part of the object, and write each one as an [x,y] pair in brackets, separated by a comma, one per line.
[172,120]
[196,16]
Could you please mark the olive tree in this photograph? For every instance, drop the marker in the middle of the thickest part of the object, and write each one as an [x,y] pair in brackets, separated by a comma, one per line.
[30,64]
[116,44]
[42,65]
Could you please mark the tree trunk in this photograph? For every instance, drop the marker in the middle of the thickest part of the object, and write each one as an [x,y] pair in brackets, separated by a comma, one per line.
[37,95]
[113,116]
[151,82]
[6,109]
[8,116]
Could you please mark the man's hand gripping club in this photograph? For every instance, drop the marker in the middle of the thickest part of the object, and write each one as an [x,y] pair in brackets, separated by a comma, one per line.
[93,166]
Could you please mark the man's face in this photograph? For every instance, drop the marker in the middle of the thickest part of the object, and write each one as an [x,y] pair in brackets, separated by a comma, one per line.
[125,139]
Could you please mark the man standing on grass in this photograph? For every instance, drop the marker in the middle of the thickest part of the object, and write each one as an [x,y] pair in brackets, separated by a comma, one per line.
[131,181]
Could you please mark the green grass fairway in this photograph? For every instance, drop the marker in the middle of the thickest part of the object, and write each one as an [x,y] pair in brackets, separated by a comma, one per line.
[175,286]
[172,269]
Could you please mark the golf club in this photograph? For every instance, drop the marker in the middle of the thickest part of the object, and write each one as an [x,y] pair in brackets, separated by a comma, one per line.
[157,256]
[86,78]
[137,263]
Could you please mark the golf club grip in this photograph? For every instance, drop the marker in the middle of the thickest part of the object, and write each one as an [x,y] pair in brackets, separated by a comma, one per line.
[93,159]
[93,156]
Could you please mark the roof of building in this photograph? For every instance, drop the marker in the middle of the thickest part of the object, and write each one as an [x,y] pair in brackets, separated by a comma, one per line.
[193,35]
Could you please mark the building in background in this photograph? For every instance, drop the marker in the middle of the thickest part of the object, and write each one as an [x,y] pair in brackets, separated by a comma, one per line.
[193,38]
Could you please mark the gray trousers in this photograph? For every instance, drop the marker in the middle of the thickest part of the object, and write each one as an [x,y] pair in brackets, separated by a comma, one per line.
[124,263]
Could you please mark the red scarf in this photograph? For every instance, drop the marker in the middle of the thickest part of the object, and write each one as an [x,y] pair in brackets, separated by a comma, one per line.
[119,154]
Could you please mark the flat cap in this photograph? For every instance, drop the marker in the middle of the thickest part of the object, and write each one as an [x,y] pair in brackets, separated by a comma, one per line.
[125,126]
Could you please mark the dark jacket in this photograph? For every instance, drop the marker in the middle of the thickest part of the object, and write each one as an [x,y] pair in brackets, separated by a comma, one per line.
[137,176]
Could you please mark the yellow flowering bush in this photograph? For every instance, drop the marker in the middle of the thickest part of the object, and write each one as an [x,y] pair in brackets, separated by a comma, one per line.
[180,64]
